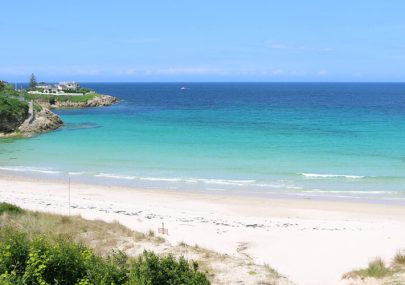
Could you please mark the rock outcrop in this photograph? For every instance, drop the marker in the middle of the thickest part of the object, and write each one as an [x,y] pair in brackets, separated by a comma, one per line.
[102,101]
[42,121]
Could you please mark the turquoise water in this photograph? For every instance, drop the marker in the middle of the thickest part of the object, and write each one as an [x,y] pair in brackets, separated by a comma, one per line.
[296,139]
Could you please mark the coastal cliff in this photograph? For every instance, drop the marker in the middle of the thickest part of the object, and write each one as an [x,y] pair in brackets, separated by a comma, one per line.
[42,121]
[13,113]
[32,124]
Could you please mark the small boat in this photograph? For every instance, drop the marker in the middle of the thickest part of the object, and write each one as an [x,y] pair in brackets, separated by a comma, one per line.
[183,88]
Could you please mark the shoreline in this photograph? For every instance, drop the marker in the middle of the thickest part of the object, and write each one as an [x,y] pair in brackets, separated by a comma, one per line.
[99,180]
[297,237]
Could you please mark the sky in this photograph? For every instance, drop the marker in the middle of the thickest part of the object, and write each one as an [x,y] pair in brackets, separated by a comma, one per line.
[203,40]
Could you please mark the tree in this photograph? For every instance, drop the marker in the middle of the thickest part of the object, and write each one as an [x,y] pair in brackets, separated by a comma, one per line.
[33,81]
[2,84]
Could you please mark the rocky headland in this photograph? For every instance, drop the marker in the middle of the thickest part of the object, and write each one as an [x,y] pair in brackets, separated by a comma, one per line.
[42,121]
[23,120]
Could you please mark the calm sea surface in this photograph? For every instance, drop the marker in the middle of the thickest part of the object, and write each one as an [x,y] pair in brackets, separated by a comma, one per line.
[296,139]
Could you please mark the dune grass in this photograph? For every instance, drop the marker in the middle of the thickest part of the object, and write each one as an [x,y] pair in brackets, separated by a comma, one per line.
[104,239]
[378,269]
[399,258]
[39,248]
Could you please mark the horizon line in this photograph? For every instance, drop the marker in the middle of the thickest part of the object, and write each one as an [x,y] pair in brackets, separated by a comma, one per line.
[192,82]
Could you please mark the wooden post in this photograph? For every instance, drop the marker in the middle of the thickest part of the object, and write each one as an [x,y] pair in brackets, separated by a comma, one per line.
[69,194]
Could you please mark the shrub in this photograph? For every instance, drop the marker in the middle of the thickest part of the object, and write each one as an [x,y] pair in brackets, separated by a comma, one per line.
[112,270]
[62,260]
[42,261]
[14,248]
[149,269]
[10,209]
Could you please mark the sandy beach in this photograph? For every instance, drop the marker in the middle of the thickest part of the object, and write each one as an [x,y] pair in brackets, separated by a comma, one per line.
[310,242]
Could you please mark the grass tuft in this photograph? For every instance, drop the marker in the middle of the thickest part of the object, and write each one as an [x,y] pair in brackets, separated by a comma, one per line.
[375,269]
[399,258]
[272,271]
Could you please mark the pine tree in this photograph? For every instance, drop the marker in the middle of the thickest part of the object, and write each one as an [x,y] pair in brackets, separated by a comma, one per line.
[33,81]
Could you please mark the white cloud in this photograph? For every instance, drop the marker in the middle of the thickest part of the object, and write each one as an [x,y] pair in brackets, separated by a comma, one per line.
[186,70]
[284,46]
[130,72]
[297,47]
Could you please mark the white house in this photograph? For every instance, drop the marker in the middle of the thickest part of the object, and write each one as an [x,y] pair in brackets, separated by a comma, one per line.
[47,88]
[69,88]
[43,86]
[68,85]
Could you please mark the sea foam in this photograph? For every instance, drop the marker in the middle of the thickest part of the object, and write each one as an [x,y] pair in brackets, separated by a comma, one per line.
[181,180]
[30,169]
[318,175]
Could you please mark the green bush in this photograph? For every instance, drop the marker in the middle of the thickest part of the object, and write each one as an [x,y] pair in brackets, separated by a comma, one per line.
[41,261]
[10,209]
[8,89]
[14,249]
[62,261]
[150,269]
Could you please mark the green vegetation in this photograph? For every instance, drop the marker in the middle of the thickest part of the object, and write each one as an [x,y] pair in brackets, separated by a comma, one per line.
[60,98]
[389,274]
[151,269]
[30,256]
[2,85]
[106,239]
[10,209]
[376,269]
[13,112]
[45,261]
[8,89]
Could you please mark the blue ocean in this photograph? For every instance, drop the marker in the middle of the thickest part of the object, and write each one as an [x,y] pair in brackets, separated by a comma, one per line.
[305,140]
